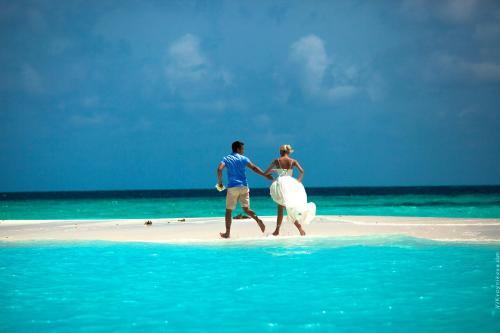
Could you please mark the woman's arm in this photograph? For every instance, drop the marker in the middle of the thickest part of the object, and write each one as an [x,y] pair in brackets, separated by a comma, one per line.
[295,162]
[268,170]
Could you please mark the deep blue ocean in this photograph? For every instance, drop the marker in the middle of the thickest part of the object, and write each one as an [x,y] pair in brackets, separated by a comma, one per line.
[442,201]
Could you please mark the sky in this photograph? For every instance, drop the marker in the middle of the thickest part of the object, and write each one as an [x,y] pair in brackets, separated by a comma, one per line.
[144,94]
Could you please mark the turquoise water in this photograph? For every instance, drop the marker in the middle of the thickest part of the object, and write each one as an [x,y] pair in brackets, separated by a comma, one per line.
[440,202]
[370,285]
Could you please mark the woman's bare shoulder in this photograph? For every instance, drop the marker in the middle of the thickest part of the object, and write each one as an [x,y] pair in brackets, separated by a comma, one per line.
[289,162]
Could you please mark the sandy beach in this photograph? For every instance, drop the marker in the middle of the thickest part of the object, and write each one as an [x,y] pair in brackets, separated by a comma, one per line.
[206,230]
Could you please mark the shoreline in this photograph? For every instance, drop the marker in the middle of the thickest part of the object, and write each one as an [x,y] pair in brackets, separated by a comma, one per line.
[206,230]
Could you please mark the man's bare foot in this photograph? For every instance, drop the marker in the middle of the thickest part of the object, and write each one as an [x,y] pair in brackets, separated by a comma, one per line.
[302,232]
[261,225]
[276,232]
[223,235]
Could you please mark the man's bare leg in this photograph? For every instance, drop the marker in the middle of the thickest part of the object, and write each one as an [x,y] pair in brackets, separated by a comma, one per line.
[229,217]
[252,214]
[297,224]
[279,220]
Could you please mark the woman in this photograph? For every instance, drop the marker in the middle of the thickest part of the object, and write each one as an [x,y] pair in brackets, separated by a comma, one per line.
[289,192]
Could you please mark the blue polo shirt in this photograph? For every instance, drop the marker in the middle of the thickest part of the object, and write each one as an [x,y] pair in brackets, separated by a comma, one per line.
[236,169]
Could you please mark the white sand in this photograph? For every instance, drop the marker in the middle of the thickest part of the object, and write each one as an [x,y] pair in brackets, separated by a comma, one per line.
[196,230]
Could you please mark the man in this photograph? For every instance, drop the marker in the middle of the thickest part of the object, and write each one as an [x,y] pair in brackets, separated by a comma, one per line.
[237,186]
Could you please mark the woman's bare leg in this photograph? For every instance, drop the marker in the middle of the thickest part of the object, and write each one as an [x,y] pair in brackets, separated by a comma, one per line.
[279,220]
[297,224]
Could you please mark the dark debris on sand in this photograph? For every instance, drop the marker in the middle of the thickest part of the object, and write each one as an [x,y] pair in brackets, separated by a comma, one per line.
[241,217]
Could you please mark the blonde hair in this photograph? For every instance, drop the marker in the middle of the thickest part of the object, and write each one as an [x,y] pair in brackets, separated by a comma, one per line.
[286,149]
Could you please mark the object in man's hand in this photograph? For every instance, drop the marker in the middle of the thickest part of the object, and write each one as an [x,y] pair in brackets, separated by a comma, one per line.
[220,188]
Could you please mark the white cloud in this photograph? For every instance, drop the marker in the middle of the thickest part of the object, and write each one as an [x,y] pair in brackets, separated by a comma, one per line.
[480,30]
[192,76]
[377,87]
[321,78]
[188,67]
[458,10]
[309,52]
[262,120]
[341,91]
[351,72]
[483,70]
[186,60]
[452,11]
[443,65]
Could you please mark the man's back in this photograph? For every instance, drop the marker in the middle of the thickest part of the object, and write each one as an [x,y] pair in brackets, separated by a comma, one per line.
[236,169]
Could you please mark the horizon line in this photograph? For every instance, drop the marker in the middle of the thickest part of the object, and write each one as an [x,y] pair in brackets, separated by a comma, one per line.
[254,188]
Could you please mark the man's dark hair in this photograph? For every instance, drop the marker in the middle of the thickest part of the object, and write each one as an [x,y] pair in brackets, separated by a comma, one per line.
[236,145]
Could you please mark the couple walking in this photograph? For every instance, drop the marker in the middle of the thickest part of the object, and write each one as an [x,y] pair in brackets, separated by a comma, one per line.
[286,191]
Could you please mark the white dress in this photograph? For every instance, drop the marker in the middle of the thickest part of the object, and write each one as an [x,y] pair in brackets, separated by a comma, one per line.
[289,192]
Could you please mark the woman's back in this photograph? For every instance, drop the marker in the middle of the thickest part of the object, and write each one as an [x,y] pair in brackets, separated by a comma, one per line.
[283,167]
[284,163]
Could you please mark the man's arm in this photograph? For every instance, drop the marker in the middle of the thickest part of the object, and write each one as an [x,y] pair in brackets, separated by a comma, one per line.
[258,170]
[219,173]
[268,170]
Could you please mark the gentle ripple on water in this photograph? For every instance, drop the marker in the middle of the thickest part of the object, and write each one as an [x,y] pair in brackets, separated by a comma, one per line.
[384,284]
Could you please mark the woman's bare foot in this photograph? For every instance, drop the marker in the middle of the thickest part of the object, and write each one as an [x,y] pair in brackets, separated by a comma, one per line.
[276,232]
[297,224]
[224,235]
